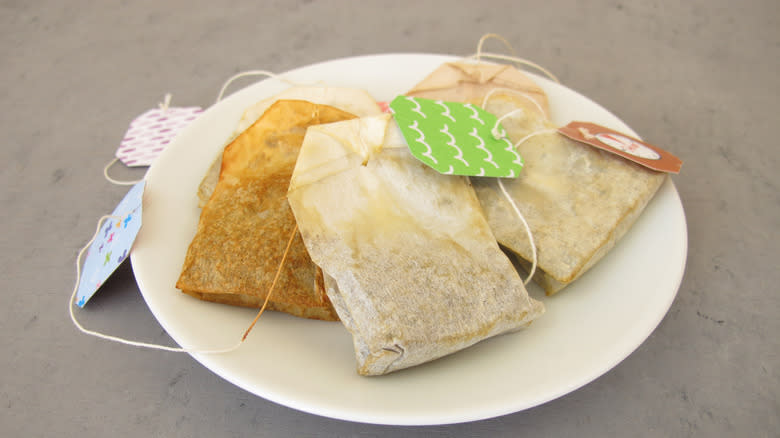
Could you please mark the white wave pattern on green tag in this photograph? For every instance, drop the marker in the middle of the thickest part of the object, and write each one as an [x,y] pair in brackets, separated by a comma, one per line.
[455,138]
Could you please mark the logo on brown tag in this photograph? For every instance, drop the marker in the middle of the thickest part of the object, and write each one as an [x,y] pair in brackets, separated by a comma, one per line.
[618,143]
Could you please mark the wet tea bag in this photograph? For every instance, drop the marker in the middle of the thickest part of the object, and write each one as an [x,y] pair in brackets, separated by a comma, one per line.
[352,100]
[246,222]
[410,263]
[577,200]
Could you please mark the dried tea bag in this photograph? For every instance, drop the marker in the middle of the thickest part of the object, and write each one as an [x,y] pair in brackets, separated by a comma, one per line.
[245,224]
[410,263]
[470,82]
[352,100]
[499,89]
[578,200]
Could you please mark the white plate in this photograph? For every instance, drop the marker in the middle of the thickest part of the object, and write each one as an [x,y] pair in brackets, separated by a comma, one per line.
[310,365]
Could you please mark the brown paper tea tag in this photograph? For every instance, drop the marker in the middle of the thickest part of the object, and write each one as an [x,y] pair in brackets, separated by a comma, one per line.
[618,143]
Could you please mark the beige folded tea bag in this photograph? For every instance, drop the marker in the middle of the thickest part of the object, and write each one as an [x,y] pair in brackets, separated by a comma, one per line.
[470,81]
[578,200]
[352,100]
[410,263]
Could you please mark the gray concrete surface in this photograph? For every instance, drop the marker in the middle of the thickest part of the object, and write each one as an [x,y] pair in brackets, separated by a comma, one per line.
[699,77]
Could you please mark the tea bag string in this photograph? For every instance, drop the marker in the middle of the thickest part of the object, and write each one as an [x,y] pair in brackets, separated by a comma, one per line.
[518,93]
[516,60]
[124,341]
[513,57]
[115,181]
[488,36]
[516,209]
[255,73]
[527,230]
[273,283]
[163,107]
[504,191]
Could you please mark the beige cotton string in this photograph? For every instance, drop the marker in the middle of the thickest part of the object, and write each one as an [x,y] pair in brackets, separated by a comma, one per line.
[504,191]
[496,36]
[516,209]
[516,60]
[254,73]
[518,93]
[512,58]
[164,105]
[115,181]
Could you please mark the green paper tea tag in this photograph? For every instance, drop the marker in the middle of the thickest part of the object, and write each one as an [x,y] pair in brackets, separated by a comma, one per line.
[456,138]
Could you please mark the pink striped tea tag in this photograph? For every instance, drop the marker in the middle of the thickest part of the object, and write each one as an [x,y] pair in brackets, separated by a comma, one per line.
[151,132]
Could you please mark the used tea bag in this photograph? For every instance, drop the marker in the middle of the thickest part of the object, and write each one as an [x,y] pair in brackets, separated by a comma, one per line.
[470,82]
[352,100]
[245,224]
[500,89]
[578,200]
[410,263]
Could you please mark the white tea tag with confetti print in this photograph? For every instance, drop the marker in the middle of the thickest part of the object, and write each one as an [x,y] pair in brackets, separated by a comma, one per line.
[151,132]
[112,244]
[455,138]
